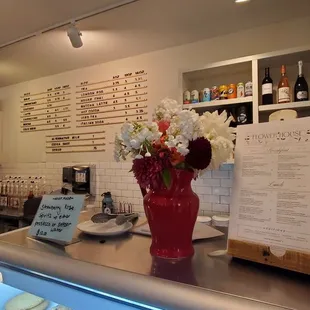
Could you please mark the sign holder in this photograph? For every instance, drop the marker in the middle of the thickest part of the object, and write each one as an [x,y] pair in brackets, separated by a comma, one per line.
[270,209]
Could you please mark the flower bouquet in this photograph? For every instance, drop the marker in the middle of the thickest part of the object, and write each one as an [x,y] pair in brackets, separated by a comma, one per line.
[167,154]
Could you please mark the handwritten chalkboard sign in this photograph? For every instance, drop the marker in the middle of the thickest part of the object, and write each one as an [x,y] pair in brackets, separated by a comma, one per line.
[57,217]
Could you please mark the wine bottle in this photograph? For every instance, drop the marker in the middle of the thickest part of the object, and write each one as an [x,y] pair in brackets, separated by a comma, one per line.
[301,87]
[267,88]
[283,87]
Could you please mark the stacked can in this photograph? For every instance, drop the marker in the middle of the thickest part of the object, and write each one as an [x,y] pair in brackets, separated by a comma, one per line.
[186,97]
[223,92]
[215,93]
[206,95]
[194,96]
[232,91]
[240,90]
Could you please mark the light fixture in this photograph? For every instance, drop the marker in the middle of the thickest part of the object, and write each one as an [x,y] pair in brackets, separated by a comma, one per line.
[241,1]
[74,35]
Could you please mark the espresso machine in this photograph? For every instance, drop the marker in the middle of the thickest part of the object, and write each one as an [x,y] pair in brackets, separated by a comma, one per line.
[76,179]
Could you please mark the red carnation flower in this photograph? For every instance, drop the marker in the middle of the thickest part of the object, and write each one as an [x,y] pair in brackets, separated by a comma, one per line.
[147,170]
[200,153]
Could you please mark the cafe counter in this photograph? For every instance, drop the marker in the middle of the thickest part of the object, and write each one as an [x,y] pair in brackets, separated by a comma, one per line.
[119,273]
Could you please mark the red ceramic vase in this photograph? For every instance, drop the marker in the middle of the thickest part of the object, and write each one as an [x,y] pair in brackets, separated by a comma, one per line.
[172,214]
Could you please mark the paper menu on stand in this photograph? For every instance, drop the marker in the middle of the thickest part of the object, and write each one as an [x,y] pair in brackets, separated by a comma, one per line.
[271,188]
[57,217]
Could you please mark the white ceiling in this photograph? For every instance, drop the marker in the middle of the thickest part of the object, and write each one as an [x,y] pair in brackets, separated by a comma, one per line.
[136,28]
[20,18]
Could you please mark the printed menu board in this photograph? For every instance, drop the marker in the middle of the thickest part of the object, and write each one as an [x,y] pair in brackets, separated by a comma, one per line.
[113,101]
[76,142]
[271,189]
[46,110]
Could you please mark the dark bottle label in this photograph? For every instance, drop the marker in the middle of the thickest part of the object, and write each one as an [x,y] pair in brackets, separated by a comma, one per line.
[302,95]
[242,117]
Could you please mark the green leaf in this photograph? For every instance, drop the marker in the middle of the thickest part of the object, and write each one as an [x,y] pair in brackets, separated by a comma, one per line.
[166,175]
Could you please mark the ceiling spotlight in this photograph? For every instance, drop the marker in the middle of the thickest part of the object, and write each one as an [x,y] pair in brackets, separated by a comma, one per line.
[74,35]
[241,1]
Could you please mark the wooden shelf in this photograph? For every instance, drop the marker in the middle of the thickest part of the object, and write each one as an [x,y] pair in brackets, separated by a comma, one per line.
[217,103]
[281,106]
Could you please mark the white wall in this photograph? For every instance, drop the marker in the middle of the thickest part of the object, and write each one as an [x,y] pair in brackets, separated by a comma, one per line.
[164,79]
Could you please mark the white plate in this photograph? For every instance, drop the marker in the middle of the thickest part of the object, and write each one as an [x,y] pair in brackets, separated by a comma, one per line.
[104,229]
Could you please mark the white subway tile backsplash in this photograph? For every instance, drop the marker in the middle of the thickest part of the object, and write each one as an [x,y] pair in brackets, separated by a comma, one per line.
[213,187]
[119,172]
[137,194]
[227,167]
[117,193]
[122,186]
[114,179]
[127,165]
[217,174]
[225,199]
[223,208]
[211,198]
[100,171]
[104,165]
[206,174]
[211,182]
[134,187]
[221,191]
[104,178]
[197,182]
[127,193]
[110,171]
[202,190]
[226,182]
[204,206]
[112,186]
[127,179]
[115,165]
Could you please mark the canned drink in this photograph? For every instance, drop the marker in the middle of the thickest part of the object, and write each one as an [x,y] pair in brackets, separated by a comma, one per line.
[240,90]
[223,92]
[232,91]
[215,94]
[194,96]
[248,89]
[206,95]
[186,97]
[200,96]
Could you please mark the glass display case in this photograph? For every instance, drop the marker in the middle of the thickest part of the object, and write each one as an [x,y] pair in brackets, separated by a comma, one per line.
[22,290]
[119,273]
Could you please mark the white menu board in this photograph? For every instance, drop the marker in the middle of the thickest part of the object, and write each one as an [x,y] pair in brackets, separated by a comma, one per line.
[271,189]
[46,110]
[76,142]
[115,101]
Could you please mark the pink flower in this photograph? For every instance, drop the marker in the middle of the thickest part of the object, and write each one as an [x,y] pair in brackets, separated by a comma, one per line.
[163,126]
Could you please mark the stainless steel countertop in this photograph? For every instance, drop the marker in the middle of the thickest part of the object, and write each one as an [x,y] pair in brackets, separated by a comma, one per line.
[224,274]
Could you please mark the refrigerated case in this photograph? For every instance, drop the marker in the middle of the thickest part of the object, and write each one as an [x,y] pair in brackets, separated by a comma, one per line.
[57,294]
[119,273]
